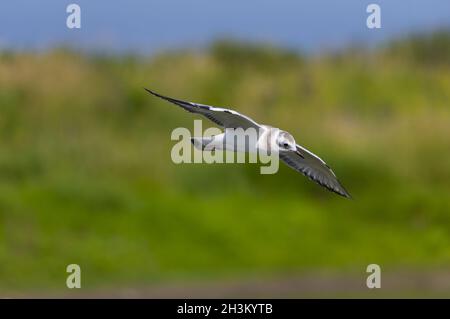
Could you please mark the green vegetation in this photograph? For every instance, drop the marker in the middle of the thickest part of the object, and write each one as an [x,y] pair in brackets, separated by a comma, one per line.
[86,175]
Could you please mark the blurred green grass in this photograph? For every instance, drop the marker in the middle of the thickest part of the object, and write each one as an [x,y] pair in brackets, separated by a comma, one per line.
[86,175]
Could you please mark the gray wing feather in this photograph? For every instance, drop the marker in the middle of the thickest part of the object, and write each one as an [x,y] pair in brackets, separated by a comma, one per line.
[314,168]
[222,117]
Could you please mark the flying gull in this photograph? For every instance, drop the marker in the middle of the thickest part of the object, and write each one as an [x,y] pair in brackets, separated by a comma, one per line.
[294,155]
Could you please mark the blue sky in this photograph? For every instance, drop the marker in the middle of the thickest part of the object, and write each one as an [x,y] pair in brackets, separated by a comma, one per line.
[155,25]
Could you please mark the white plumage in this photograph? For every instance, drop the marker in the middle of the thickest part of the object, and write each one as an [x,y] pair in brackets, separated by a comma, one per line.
[294,155]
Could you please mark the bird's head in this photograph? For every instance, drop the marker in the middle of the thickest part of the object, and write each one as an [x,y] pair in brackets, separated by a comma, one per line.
[286,142]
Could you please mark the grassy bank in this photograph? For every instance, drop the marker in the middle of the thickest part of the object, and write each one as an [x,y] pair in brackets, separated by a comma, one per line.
[86,175]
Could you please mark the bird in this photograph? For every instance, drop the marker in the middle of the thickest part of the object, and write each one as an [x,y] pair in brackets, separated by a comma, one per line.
[292,154]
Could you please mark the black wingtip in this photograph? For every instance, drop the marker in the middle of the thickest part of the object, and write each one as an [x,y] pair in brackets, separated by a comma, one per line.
[170,99]
[341,191]
[348,196]
[344,193]
[153,93]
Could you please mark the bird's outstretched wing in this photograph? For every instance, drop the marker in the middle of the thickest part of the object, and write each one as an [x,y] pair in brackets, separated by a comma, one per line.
[314,168]
[222,117]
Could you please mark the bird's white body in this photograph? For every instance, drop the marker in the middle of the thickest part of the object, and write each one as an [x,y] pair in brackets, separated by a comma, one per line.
[249,141]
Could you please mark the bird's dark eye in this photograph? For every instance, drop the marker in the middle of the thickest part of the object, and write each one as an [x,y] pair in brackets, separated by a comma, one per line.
[285,144]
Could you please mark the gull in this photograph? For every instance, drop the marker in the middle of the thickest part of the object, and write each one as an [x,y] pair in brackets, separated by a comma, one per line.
[292,154]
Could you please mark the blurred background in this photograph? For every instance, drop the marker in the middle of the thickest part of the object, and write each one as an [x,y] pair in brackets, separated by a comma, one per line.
[86,175]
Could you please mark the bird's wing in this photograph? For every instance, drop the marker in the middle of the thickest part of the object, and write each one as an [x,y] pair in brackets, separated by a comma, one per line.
[222,117]
[314,168]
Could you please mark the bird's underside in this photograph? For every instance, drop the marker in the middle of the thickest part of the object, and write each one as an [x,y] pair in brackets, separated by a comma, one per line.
[299,159]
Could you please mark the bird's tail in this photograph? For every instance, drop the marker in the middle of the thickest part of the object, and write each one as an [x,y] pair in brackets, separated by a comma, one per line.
[203,143]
